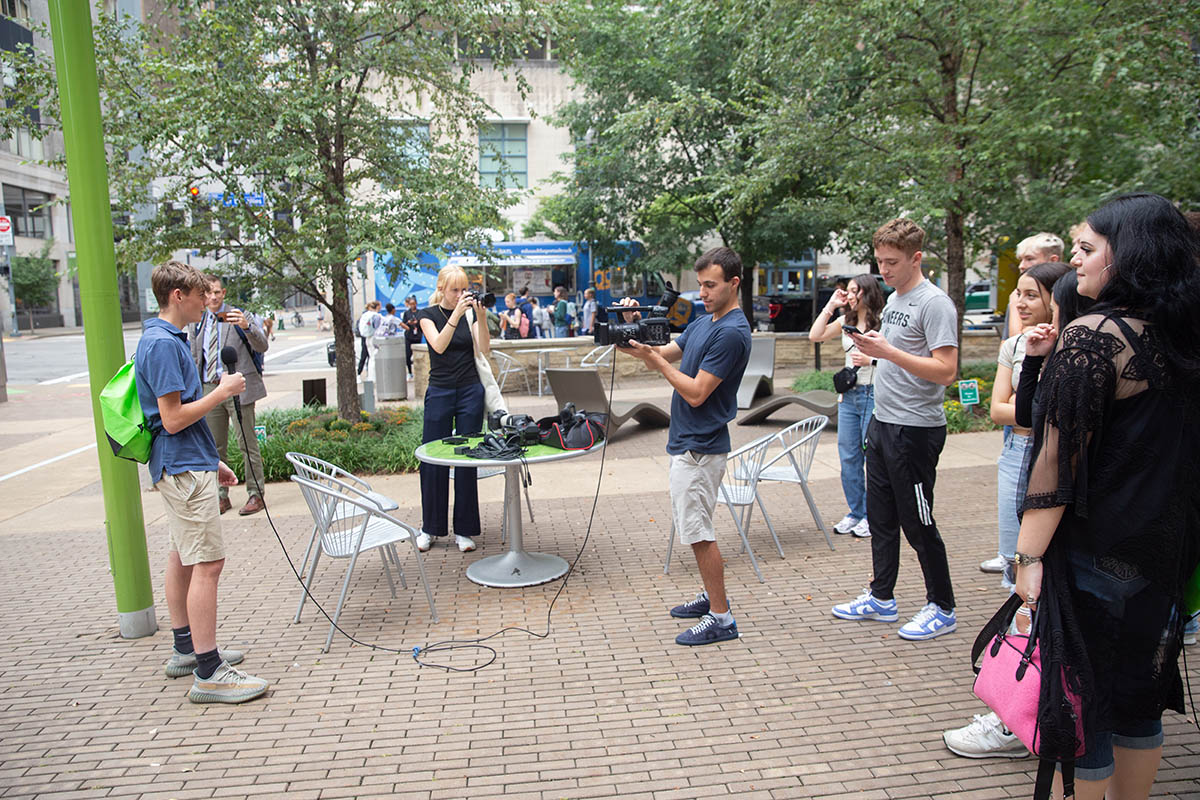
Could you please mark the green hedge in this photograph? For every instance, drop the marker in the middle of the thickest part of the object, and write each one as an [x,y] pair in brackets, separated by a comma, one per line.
[382,442]
[959,418]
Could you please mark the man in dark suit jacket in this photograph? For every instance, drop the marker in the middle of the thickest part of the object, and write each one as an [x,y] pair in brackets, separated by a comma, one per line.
[219,329]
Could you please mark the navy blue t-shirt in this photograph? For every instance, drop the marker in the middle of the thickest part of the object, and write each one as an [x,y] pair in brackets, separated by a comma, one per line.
[720,348]
[163,364]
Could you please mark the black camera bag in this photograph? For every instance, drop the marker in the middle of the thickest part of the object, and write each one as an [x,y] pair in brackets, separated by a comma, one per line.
[576,431]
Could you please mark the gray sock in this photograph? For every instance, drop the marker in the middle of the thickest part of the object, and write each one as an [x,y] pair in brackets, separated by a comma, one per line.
[725,619]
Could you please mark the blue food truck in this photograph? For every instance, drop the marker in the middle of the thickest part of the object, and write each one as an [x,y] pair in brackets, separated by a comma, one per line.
[538,265]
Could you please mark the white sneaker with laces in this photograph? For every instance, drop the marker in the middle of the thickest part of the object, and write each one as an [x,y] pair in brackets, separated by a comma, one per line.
[996,564]
[424,542]
[863,529]
[846,525]
[465,543]
[985,737]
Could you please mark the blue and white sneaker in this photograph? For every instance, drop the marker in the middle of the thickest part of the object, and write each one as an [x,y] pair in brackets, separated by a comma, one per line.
[929,622]
[693,609]
[707,631]
[867,606]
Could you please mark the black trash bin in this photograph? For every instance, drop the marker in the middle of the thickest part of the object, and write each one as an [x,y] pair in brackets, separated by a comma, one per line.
[331,353]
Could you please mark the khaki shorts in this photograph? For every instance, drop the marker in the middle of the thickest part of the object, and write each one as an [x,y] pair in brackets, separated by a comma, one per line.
[193,516]
[695,480]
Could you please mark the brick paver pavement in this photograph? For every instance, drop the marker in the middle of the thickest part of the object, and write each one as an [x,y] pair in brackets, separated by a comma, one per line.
[607,705]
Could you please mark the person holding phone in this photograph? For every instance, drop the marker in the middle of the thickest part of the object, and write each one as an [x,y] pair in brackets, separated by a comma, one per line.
[861,303]
[226,326]
[917,350]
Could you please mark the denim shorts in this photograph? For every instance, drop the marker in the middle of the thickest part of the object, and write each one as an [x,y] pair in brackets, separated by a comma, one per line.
[1113,584]
[1097,764]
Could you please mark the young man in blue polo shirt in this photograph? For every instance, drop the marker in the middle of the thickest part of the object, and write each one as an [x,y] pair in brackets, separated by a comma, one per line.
[185,469]
[712,355]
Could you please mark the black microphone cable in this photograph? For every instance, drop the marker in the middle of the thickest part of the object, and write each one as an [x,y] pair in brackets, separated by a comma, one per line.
[449,644]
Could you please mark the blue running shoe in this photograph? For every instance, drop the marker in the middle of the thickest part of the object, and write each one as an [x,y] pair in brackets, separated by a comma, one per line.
[693,609]
[929,622]
[867,606]
[707,631]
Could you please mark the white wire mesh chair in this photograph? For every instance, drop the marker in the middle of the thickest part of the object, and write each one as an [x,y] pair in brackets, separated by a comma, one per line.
[509,366]
[351,523]
[799,441]
[320,471]
[598,357]
[739,491]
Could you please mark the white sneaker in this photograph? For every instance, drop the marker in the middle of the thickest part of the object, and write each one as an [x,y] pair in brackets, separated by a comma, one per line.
[846,525]
[985,737]
[465,543]
[996,564]
[862,530]
[424,542]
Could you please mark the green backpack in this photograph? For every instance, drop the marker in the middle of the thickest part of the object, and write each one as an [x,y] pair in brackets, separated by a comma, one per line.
[126,426]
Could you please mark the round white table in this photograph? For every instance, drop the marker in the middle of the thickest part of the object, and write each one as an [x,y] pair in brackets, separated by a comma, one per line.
[517,567]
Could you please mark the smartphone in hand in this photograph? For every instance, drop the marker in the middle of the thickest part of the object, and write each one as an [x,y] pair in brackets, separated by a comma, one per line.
[851,329]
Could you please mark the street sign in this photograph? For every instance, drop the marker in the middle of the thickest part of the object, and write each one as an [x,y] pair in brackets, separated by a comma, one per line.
[6,232]
[968,392]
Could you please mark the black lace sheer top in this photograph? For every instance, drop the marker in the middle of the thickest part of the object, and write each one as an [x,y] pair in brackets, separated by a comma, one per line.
[1116,444]
[1117,441]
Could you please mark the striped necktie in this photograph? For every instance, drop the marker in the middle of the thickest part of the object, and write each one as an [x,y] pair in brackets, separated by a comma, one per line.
[212,354]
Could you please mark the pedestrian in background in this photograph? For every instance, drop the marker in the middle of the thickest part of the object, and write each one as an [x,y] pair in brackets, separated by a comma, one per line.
[224,326]
[861,303]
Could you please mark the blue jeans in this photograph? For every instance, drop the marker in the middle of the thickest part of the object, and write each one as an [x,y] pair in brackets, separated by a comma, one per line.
[854,412]
[1008,477]
[447,411]
[560,331]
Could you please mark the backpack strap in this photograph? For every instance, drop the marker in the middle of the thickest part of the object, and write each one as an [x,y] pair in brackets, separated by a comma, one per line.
[255,356]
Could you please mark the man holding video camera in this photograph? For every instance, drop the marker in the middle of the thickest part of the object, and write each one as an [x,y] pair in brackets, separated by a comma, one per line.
[712,352]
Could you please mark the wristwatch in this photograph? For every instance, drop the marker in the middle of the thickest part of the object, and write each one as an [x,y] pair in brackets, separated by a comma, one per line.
[1024,559]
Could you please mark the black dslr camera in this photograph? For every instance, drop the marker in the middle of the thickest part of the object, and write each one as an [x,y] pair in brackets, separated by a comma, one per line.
[517,428]
[653,328]
[486,300]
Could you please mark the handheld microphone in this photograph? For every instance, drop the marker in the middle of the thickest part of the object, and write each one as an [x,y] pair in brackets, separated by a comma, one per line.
[229,359]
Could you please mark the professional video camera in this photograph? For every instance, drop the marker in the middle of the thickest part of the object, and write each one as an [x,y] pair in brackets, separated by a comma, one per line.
[486,300]
[653,328]
[520,426]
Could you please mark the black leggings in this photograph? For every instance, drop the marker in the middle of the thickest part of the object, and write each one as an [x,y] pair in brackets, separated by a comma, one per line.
[366,354]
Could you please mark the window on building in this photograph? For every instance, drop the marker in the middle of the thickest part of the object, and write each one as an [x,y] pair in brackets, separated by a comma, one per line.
[17,9]
[173,215]
[30,212]
[22,144]
[504,155]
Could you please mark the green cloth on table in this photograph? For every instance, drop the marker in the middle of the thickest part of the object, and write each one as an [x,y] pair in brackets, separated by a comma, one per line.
[438,449]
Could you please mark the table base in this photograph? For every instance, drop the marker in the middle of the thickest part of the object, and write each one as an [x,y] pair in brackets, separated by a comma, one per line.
[517,569]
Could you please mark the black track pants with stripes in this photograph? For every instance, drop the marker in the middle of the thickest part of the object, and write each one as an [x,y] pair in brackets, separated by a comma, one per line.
[901,469]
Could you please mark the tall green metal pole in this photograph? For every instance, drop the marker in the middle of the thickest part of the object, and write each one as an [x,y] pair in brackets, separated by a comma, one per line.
[87,173]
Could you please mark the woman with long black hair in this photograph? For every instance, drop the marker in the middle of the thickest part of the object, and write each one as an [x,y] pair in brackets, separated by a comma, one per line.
[1111,526]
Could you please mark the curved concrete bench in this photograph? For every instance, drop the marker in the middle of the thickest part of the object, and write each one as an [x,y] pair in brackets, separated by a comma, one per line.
[818,401]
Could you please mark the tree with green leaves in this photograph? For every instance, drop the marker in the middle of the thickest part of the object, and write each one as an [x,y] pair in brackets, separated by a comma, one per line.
[34,280]
[979,120]
[664,140]
[289,139]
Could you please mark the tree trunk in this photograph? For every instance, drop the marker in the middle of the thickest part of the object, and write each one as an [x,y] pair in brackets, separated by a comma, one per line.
[345,336]
[956,270]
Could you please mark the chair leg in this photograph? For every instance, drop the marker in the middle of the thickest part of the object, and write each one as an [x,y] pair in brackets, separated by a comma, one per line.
[312,570]
[770,527]
[387,570]
[816,515]
[746,545]
[308,551]
[424,580]
[670,544]
[746,511]
[341,601]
